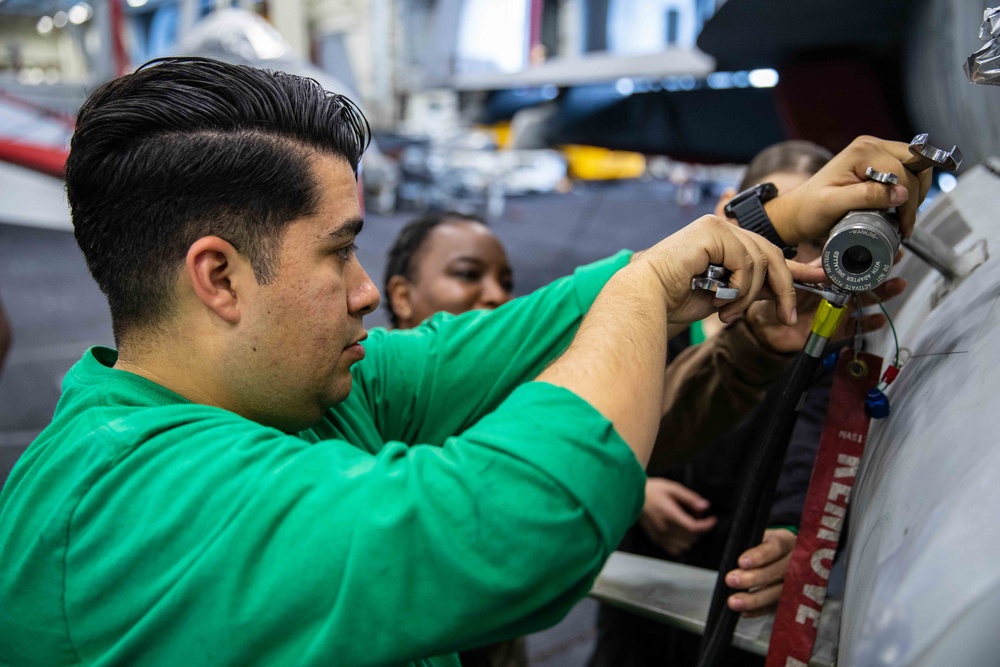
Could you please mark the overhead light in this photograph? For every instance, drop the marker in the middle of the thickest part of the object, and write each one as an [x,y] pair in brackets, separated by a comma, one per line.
[34,76]
[80,13]
[137,3]
[44,26]
[763,78]
[60,19]
[720,80]
[625,87]
[947,182]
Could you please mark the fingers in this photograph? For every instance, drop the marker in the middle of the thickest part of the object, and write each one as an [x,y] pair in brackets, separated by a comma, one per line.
[666,516]
[751,279]
[761,572]
[891,157]
[806,273]
[917,185]
[670,536]
[842,186]
[693,525]
[758,602]
[887,290]
[757,268]
[777,544]
[766,264]
[664,509]
[686,496]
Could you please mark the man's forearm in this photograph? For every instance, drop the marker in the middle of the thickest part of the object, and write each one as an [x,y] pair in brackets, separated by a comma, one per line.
[616,362]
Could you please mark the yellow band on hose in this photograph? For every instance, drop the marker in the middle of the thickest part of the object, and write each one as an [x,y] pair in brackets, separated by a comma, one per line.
[827,319]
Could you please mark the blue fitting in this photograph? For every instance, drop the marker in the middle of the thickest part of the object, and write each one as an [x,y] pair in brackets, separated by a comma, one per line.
[830,361]
[876,404]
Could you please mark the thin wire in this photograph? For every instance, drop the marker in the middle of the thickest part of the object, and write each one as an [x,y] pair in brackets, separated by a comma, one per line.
[895,338]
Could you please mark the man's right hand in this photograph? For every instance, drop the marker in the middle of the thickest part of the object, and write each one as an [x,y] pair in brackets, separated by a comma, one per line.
[616,361]
[668,515]
[758,270]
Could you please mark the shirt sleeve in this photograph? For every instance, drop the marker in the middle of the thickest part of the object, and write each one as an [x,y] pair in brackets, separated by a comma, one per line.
[425,384]
[710,387]
[265,549]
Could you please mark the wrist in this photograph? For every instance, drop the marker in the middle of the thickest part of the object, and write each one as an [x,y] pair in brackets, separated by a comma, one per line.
[749,210]
[781,211]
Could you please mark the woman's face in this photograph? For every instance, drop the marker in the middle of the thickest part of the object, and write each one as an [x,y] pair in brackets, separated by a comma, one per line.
[461,266]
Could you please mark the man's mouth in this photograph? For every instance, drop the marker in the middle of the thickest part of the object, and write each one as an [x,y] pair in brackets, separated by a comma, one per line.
[357,341]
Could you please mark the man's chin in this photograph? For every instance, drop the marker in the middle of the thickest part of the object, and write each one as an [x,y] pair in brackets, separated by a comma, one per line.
[296,423]
[339,392]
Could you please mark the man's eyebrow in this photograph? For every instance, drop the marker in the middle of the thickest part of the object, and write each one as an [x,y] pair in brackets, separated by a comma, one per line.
[350,228]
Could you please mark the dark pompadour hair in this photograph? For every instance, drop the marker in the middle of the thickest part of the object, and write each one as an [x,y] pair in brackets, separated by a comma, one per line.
[190,147]
[403,253]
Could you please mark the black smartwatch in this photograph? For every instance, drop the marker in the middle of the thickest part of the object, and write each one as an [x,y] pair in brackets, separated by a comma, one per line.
[748,209]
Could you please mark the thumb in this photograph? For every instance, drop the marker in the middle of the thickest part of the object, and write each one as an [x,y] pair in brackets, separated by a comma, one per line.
[872,194]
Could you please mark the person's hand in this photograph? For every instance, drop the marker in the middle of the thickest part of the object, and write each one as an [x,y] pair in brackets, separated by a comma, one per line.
[758,268]
[761,573]
[810,210]
[780,338]
[668,515]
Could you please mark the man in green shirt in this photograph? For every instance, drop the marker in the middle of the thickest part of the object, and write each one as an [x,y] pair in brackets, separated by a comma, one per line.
[249,480]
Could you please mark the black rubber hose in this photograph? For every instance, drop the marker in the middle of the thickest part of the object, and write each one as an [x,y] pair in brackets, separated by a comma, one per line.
[753,505]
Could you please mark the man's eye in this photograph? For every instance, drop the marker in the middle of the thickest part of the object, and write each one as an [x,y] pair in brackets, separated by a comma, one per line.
[346,252]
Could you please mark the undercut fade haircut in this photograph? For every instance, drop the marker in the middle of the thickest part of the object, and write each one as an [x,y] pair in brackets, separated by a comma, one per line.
[405,250]
[190,147]
[793,157]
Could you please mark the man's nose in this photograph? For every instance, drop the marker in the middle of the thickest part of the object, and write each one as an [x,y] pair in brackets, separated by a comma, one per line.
[362,296]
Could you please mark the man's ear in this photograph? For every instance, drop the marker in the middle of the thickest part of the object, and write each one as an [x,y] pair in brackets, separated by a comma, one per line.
[724,198]
[397,291]
[216,271]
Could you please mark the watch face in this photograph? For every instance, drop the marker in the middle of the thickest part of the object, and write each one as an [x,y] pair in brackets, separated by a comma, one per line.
[767,191]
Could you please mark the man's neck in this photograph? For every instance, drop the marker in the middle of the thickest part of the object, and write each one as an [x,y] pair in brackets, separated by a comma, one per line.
[177,372]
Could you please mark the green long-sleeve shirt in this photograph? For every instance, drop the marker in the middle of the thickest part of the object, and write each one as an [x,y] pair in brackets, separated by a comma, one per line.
[432,511]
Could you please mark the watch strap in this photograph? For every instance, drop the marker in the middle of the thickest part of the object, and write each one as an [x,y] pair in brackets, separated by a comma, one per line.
[747,208]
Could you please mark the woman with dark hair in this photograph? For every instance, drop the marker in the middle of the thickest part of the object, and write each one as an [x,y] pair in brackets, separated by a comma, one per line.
[445,262]
[451,262]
